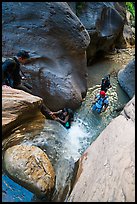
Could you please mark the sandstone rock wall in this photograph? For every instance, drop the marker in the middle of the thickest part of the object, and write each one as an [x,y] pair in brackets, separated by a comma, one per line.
[17,106]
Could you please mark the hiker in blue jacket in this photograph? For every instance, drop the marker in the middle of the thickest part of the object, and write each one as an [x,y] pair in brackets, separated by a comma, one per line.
[101,103]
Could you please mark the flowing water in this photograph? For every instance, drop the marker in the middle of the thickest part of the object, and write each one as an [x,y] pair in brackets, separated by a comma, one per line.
[64,147]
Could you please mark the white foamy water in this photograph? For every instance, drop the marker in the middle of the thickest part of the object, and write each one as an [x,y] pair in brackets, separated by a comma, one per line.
[75,141]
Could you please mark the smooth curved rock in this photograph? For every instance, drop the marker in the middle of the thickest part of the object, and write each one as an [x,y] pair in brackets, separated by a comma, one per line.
[30,167]
[17,106]
[57,41]
[104,21]
[126,78]
[107,168]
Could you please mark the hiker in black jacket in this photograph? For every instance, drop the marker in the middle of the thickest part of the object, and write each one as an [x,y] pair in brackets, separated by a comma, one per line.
[11,72]
[105,84]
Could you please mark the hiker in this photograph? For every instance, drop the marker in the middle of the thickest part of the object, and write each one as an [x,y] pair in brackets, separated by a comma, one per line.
[101,103]
[105,85]
[11,72]
[64,116]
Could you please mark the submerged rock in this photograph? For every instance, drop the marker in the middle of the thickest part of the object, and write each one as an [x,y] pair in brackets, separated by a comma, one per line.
[30,167]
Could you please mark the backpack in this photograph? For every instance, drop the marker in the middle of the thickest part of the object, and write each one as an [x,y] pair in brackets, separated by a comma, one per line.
[9,58]
[10,71]
[3,60]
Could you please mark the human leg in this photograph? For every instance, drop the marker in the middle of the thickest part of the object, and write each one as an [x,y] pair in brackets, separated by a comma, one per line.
[94,107]
[99,110]
[27,85]
[24,88]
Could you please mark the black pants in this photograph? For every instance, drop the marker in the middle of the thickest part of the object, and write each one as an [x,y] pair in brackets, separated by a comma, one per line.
[23,87]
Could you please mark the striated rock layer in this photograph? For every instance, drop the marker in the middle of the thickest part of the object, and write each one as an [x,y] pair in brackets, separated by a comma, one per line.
[17,106]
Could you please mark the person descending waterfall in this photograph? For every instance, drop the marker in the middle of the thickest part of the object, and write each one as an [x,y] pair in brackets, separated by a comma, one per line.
[64,116]
[105,84]
[101,102]
[11,72]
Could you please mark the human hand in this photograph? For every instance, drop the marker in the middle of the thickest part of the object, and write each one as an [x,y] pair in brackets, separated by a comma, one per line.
[23,78]
[56,118]
[103,110]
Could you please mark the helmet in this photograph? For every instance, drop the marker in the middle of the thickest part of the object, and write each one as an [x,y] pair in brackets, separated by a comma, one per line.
[102,93]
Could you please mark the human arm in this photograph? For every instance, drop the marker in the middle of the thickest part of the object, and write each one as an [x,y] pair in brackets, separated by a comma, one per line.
[22,73]
[55,113]
[110,85]
[95,99]
[105,105]
[63,121]
[104,108]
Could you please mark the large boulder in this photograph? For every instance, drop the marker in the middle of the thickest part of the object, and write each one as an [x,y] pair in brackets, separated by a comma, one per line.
[17,106]
[104,21]
[129,36]
[30,167]
[57,41]
[106,170]
[126,78]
